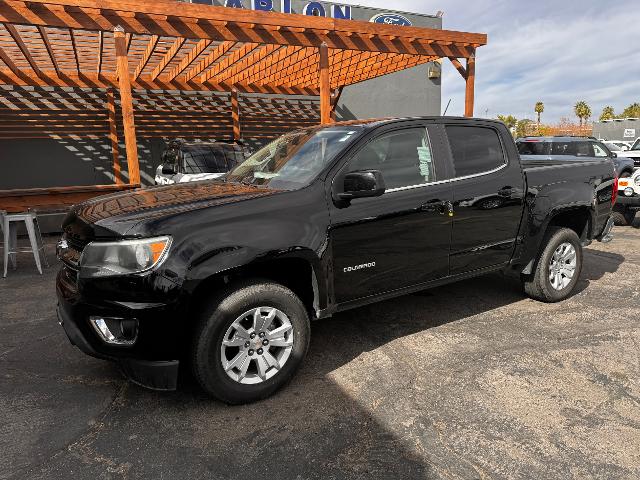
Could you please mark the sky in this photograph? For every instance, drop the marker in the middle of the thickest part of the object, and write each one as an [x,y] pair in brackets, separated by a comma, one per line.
[557,52]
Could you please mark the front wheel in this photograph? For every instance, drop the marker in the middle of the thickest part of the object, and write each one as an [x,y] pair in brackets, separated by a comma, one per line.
[558,267]
[251,342]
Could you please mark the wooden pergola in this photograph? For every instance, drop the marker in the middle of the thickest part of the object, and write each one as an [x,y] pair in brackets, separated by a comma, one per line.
[160,45]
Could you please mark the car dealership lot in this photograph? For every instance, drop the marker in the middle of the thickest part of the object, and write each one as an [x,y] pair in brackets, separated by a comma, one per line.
[465,381]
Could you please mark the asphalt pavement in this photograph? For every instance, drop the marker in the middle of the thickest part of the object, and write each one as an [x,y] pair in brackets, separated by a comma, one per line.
[466,381]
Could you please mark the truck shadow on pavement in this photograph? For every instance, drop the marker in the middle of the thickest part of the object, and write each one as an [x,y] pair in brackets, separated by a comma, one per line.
[358,408]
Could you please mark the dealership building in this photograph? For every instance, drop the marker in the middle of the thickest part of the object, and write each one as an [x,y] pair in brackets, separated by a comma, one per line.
[625,129]
[89,96]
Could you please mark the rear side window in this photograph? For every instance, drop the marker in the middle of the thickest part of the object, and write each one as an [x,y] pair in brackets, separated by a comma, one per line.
[475,149]
[204,159]
[533,148]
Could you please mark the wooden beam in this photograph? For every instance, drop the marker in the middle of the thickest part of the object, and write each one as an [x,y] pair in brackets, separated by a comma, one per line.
[247,62]
[235,114]
[49,78]
[47,44]
[228,61]
[469,97]
[456,63]
[151,46]
[210,59]
[75,49]
[126,106]
[188,59]
[100,51]
[9,63]
[168,57]
[113,135]
[21,45]
[325,85]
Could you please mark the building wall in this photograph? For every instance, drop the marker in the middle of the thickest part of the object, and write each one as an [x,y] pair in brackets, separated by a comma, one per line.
[616,129]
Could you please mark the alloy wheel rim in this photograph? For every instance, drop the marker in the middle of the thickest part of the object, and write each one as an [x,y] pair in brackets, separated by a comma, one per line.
[562,266]
[257,345]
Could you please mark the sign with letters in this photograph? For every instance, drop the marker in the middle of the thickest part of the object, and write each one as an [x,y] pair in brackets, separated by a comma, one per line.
[629,133]
[330,10]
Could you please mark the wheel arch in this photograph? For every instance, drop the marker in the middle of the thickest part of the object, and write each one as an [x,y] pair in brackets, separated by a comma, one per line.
[299,273]
[578,218]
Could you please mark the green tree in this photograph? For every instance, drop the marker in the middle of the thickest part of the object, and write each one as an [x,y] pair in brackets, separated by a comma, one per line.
[632,111]
[582,111]
[607,113]
[539,108]
[522,127]
[509,120]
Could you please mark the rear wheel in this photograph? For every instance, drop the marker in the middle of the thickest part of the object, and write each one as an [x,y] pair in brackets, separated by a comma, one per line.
[623,216]
[250,343]
[558,267]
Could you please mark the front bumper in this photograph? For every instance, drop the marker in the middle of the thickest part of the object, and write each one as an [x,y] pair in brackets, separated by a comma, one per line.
[152,361]
[632,202]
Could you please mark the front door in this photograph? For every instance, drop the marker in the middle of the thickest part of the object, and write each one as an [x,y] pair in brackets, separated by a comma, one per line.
[402,238]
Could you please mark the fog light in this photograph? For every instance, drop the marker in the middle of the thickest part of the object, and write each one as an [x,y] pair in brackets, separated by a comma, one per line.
[116,331]
[628,191]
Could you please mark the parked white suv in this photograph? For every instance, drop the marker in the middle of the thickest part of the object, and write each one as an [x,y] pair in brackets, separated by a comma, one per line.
[628,202]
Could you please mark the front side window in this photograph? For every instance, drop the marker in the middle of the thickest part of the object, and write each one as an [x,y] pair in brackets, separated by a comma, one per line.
[475,149]
[600,151]
[403,157]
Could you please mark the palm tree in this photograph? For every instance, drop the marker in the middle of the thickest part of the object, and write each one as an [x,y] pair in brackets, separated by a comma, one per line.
[539,108]
[607,113]
[582,111]
[509,120]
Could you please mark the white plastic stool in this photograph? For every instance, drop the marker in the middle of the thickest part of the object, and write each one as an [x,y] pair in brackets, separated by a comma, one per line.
[10,233]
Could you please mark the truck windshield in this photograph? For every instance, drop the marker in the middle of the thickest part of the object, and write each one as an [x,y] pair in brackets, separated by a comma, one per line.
[295,159]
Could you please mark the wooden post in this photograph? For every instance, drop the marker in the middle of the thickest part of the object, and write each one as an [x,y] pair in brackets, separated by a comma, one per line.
[325,86]
[126,105]
[235,114]
[113,135]
[470,90]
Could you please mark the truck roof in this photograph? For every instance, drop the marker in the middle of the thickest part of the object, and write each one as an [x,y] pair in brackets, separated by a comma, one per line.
[374,122]
[558,138]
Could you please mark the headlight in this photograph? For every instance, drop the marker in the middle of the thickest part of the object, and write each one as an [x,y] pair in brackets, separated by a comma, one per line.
[104,259]
[628,191]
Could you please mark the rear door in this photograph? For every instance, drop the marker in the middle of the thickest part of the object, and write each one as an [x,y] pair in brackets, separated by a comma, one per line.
[488,193]
[402,238]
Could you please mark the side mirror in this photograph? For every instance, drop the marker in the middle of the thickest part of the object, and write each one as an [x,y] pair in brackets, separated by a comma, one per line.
[614,155]
[362,184]
[167,169]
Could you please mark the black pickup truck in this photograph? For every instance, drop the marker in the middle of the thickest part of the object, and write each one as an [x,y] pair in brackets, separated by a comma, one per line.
[224,276]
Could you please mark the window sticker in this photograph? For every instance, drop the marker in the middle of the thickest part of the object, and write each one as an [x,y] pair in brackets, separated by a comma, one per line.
[424,155]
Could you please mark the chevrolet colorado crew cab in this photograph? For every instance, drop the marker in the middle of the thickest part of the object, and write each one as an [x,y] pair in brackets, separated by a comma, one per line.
[223,276]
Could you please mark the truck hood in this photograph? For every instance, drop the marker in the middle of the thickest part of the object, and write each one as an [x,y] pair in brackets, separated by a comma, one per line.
[116,214]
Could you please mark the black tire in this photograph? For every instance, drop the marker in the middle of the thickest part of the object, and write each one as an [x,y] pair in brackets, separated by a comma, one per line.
[538,285]
[216,319]
[623,216]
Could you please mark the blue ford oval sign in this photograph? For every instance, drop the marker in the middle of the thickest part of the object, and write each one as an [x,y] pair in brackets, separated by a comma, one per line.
[391,19]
